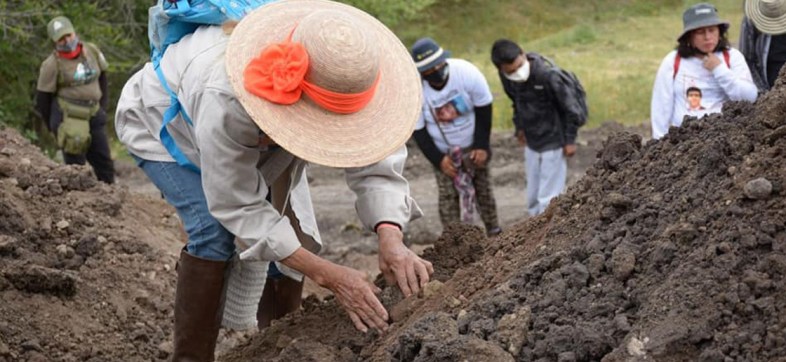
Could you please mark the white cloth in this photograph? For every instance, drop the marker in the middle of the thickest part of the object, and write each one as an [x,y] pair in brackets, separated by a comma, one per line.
[244,289]
[669,100]
[224,143]
[546,175]
[466,89]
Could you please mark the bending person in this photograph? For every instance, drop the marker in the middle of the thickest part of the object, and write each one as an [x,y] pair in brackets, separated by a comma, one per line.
[296,81]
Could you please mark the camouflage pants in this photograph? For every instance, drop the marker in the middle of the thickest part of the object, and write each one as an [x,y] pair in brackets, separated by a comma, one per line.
[449,208]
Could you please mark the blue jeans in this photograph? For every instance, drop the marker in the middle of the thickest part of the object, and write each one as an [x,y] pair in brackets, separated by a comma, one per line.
[182,188]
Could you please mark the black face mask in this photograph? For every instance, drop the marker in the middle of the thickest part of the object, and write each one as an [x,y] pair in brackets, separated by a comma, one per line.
[437,77]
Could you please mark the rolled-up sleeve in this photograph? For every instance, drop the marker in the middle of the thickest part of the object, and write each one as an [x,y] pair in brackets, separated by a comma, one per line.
[383,192]
[234,187]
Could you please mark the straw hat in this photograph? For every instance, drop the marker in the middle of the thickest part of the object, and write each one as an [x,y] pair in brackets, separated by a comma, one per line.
[348,49]
[769,16]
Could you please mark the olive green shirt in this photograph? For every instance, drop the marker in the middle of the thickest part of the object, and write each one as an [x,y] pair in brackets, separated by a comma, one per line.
[75,79]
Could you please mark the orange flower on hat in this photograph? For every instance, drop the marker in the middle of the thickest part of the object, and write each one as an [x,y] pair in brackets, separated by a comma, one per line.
[277,73]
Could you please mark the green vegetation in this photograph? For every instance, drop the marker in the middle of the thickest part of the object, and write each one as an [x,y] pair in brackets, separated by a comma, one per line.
[614,46]
[119,27]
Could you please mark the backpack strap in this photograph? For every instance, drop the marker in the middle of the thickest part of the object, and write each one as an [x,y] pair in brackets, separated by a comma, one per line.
[677,58]
[171,20]
[175,108]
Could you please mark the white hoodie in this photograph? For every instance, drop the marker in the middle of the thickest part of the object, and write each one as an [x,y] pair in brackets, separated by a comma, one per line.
[669,100]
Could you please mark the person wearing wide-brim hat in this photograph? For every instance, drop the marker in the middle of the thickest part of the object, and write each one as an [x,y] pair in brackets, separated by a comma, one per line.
[703,59]
[763,40]
[296,81]
[72,98]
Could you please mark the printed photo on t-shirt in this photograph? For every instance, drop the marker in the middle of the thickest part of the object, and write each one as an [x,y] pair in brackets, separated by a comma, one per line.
[448,112]
[693,96]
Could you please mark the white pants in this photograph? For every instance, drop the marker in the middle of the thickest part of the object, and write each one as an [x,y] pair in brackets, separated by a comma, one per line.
[546,175]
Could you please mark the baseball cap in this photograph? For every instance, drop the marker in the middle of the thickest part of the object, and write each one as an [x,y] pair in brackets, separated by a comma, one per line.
[59,27]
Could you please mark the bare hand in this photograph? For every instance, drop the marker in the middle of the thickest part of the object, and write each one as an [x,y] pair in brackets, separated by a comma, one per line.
[522,139]
[357,295]
[447,167]
[479,157]
[352,289]
[569,150]
[710,61]
[399,264]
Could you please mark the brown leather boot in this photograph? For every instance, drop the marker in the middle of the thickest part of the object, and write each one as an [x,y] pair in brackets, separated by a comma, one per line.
[199,302]
[280,297]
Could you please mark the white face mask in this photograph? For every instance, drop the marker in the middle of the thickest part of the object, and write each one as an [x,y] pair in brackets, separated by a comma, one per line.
[521,74]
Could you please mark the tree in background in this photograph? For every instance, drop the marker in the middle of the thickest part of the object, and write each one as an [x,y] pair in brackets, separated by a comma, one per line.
[119,27]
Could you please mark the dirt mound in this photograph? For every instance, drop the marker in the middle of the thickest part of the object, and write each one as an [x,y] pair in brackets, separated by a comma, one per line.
[671,251]
[79,278]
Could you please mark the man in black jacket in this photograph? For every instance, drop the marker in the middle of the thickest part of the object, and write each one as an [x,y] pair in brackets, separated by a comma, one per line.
[547,116]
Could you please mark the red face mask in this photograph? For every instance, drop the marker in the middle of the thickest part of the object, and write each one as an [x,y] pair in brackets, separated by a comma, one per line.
[72,54]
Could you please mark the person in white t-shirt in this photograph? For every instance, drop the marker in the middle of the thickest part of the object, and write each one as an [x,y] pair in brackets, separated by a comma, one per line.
[704,59]
[456,116]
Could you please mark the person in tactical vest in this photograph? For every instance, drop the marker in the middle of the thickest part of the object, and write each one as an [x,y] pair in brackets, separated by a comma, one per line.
[72,97]
[547,113]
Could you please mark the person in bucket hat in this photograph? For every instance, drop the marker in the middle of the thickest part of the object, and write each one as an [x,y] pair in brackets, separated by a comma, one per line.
[763,40]
[703,59]
[295,81]
[453,133]
[72,97]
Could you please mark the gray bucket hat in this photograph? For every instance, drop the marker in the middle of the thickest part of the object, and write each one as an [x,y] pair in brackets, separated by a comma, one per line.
[699,16]
[769,16]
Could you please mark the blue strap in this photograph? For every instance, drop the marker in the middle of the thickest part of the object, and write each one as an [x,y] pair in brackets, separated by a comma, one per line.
[168,23]
[170,114]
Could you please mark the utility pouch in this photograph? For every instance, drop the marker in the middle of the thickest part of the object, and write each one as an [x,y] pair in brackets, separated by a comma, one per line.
[73,135]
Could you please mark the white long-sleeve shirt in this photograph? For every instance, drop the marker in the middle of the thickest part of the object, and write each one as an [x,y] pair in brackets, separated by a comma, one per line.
[224,143]
[669,99]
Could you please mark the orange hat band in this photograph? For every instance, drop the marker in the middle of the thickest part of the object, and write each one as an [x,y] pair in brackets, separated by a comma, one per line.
[278,75]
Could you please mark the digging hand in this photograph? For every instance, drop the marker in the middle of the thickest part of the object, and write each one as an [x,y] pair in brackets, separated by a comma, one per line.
[400,265]
[351,288]
[357,295]
[447,167]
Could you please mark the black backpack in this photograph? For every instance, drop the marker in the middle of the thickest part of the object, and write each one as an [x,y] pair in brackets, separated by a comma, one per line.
[572,80]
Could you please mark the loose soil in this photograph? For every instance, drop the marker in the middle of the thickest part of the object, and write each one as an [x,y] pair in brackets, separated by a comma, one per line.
[672,250]
[669,251]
